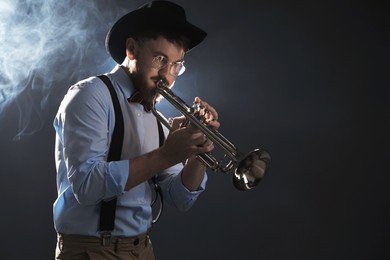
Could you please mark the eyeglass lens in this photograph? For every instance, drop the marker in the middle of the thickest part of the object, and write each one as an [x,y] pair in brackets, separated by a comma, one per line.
[176,68]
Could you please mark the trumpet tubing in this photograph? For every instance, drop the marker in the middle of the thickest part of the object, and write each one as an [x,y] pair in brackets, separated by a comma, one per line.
[247,169]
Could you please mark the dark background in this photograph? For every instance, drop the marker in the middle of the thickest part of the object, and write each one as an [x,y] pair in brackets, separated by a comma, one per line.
[306,80]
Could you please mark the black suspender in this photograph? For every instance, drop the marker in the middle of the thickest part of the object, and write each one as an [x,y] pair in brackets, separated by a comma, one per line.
[108,208]
[157,188]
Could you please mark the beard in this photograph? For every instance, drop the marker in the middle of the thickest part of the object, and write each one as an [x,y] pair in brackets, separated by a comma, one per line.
[146,85]
[146,91]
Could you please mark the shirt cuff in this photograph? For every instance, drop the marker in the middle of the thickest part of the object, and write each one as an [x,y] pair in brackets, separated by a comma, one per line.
[118,172]
[183,189]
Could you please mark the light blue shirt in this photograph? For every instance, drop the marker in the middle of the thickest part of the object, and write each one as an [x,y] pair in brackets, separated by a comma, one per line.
[84,125]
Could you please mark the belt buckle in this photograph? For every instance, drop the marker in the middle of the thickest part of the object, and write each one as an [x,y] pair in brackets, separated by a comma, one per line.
[106,238]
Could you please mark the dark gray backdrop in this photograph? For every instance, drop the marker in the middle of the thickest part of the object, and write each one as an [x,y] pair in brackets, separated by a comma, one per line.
[307,80]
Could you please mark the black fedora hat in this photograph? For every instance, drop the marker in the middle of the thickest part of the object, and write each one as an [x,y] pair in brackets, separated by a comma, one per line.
[154,15]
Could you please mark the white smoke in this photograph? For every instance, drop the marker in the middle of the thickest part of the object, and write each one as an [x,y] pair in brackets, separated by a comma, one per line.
[46,45]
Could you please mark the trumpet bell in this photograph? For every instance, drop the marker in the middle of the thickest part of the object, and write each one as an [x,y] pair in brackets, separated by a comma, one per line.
[251,169]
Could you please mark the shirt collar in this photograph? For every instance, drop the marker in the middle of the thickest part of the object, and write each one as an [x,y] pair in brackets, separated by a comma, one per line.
[126,86]
[124,81]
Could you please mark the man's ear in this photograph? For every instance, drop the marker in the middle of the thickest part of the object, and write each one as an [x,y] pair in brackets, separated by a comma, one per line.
[131,48]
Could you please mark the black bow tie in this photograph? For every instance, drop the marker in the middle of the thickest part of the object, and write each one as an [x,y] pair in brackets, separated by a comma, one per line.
[136,98]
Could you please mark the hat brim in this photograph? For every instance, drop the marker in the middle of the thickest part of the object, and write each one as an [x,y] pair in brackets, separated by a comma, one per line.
[144,19]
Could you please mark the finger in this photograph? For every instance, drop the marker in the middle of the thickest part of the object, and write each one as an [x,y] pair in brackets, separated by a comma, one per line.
[210,112]
[200,140]
[205,139]
[192,129]
[214,124]
[176,122]
[205,148]
[193,135]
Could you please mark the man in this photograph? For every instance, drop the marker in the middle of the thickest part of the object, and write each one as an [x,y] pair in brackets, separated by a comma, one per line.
[149,44]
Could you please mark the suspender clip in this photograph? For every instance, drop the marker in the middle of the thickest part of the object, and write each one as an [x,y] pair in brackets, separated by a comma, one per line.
[106,238]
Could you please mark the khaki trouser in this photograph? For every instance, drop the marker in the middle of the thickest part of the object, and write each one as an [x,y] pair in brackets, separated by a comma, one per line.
[77,247]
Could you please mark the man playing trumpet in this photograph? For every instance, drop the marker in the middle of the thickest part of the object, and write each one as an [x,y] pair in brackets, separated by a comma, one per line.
[149,44]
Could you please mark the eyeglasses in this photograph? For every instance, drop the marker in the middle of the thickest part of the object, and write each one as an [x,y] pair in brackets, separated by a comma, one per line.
[175,68]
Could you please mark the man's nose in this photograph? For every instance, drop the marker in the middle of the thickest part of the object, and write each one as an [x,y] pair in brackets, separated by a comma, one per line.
[165,72]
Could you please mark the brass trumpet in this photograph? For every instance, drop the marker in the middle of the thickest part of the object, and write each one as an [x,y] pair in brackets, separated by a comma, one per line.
[249,169]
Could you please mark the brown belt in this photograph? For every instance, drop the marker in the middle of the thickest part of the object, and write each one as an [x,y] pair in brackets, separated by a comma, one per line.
[117,241]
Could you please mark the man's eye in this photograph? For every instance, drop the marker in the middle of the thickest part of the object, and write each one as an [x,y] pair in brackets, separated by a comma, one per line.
[161,59]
